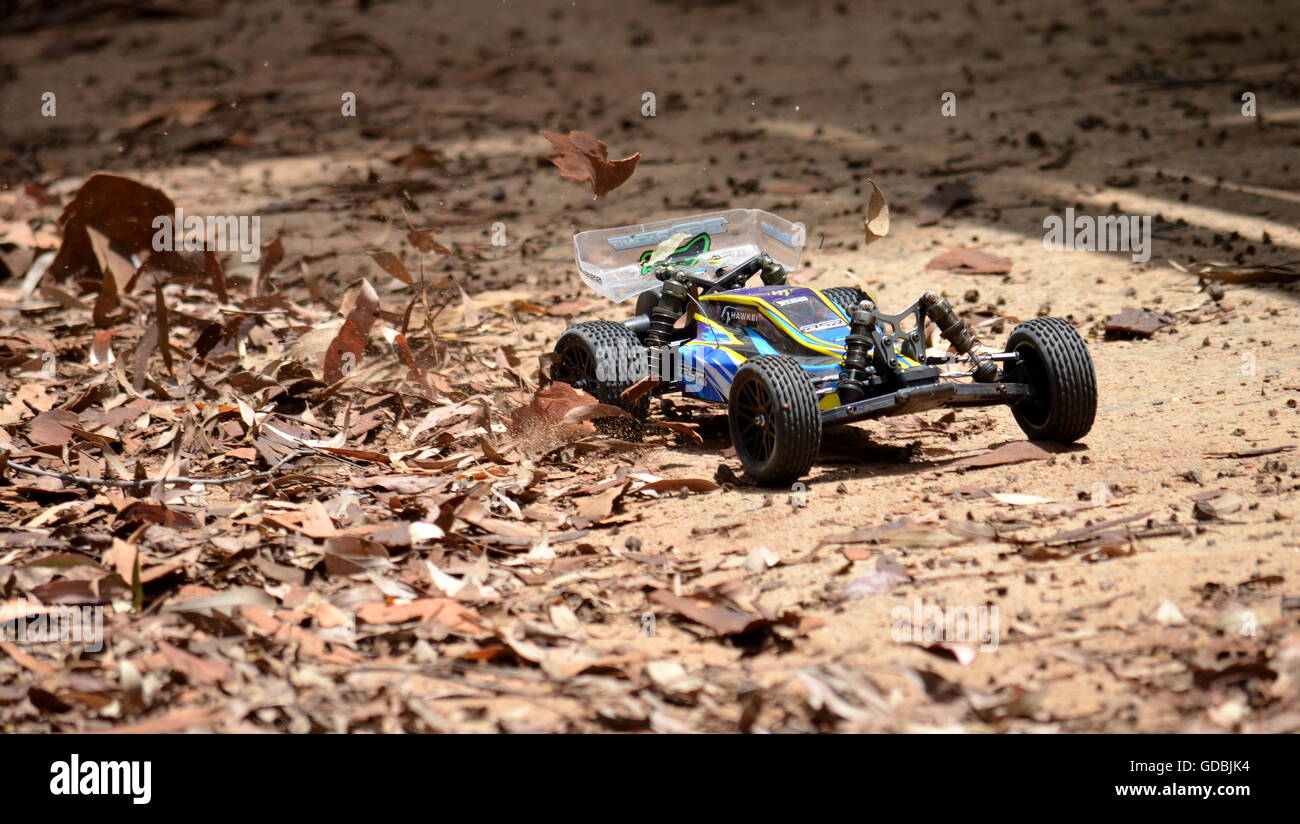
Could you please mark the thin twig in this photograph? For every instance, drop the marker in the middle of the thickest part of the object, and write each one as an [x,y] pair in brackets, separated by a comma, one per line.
[142,483]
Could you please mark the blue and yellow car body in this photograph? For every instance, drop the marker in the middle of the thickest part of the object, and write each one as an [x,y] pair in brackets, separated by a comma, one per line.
[699,324]
[732,327]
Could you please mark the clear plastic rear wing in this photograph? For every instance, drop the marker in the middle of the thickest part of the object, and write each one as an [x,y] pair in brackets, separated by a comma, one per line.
[614,262]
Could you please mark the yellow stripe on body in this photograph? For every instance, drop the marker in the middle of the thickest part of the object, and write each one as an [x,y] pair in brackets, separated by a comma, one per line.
[833,305]
[732,339]
[819,346]
[776,316]
[736,356]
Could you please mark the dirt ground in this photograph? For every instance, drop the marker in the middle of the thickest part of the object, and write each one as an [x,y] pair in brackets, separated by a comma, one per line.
[1178,619]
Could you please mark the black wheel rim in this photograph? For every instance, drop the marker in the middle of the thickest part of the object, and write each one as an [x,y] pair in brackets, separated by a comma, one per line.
[577,367]
[1033,411]
[754,424]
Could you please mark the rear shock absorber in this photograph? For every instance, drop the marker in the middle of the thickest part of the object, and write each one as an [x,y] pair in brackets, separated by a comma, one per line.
[856,369]
[673,298]
[671,306]
[772,273]
[959,335]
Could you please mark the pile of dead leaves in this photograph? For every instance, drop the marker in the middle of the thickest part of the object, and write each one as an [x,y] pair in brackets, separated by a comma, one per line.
[261,491]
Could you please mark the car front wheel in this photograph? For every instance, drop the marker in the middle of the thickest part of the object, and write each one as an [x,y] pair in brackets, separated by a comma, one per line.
[1054,360]
[775,423]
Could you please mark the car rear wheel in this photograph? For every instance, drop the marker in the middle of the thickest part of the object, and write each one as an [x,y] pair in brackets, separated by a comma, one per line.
[775,423]
[1054,360]
[846,297]
[603,359]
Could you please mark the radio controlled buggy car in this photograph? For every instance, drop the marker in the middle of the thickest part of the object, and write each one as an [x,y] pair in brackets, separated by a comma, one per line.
[788,360]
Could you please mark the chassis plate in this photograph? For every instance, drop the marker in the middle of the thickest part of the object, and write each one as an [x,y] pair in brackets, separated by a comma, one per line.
[920,398]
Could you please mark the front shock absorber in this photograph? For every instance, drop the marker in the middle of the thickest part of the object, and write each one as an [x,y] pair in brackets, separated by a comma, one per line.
[857,369]
[959,335]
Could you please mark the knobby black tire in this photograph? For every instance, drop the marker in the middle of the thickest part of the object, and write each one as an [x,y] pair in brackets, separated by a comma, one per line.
[1055,360]
[587,358]
[793,417]
[845,297]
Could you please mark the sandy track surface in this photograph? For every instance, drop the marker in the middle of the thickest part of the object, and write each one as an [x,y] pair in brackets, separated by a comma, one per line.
[1172,621]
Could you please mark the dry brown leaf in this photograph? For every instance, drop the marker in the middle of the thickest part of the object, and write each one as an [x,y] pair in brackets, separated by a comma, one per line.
[122,210]
[593,411]
[197,670]
[721,619]
[690,430]
[905,532]
[1132,323]
[393,265]
[424,240]
[186,113]
[598,506]
[1241,273]
[53,428]
[173,721]
[584,158]
[970,262]
[343,356]
[640,389]
[876,222]
[546,410]
[447,611]
[1010,453]
[271,255]
[678,485]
